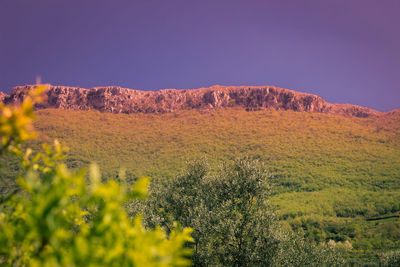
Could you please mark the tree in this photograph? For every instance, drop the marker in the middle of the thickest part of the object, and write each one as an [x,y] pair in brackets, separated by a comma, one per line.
[58,219]
[234,223]
[229,212]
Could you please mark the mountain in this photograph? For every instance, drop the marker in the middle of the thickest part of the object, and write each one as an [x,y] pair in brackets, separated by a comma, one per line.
[335,168]
[122,100]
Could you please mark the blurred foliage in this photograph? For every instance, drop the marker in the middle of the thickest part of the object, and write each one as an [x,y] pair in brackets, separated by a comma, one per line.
[58,219]
[16,121]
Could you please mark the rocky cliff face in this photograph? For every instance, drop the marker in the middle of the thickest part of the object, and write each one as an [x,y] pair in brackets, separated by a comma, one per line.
[2,96]
[123,100]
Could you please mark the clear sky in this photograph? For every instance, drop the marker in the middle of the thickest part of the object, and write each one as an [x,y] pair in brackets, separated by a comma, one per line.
[346,51]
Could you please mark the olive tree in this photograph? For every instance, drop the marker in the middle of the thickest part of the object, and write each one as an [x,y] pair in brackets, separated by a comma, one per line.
[234,223]
[229,212]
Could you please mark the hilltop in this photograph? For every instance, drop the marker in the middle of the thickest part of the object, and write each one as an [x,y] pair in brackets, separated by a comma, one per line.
[334,167]
[122,100]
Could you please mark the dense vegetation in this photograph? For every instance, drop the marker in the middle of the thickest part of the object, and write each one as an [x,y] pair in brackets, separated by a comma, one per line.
[330,173]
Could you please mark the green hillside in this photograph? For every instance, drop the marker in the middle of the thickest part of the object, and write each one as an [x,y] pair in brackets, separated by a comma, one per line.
[330,173]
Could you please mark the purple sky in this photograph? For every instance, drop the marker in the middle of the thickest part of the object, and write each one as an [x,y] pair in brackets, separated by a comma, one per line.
[346,51]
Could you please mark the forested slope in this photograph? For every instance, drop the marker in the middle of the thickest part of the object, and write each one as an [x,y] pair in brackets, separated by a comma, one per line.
[331,172]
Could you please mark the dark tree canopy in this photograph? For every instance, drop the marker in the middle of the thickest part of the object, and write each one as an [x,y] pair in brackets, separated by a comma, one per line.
[234,224]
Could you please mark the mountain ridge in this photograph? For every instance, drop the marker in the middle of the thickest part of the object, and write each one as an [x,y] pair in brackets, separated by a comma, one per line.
[116,99]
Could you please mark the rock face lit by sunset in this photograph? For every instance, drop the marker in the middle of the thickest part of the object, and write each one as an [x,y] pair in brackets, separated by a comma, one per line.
[335,50]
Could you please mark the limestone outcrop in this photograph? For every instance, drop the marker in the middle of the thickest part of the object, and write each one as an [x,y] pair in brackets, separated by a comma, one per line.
[122,100]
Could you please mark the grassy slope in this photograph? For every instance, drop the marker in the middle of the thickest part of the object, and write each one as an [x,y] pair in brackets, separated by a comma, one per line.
[331,172]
